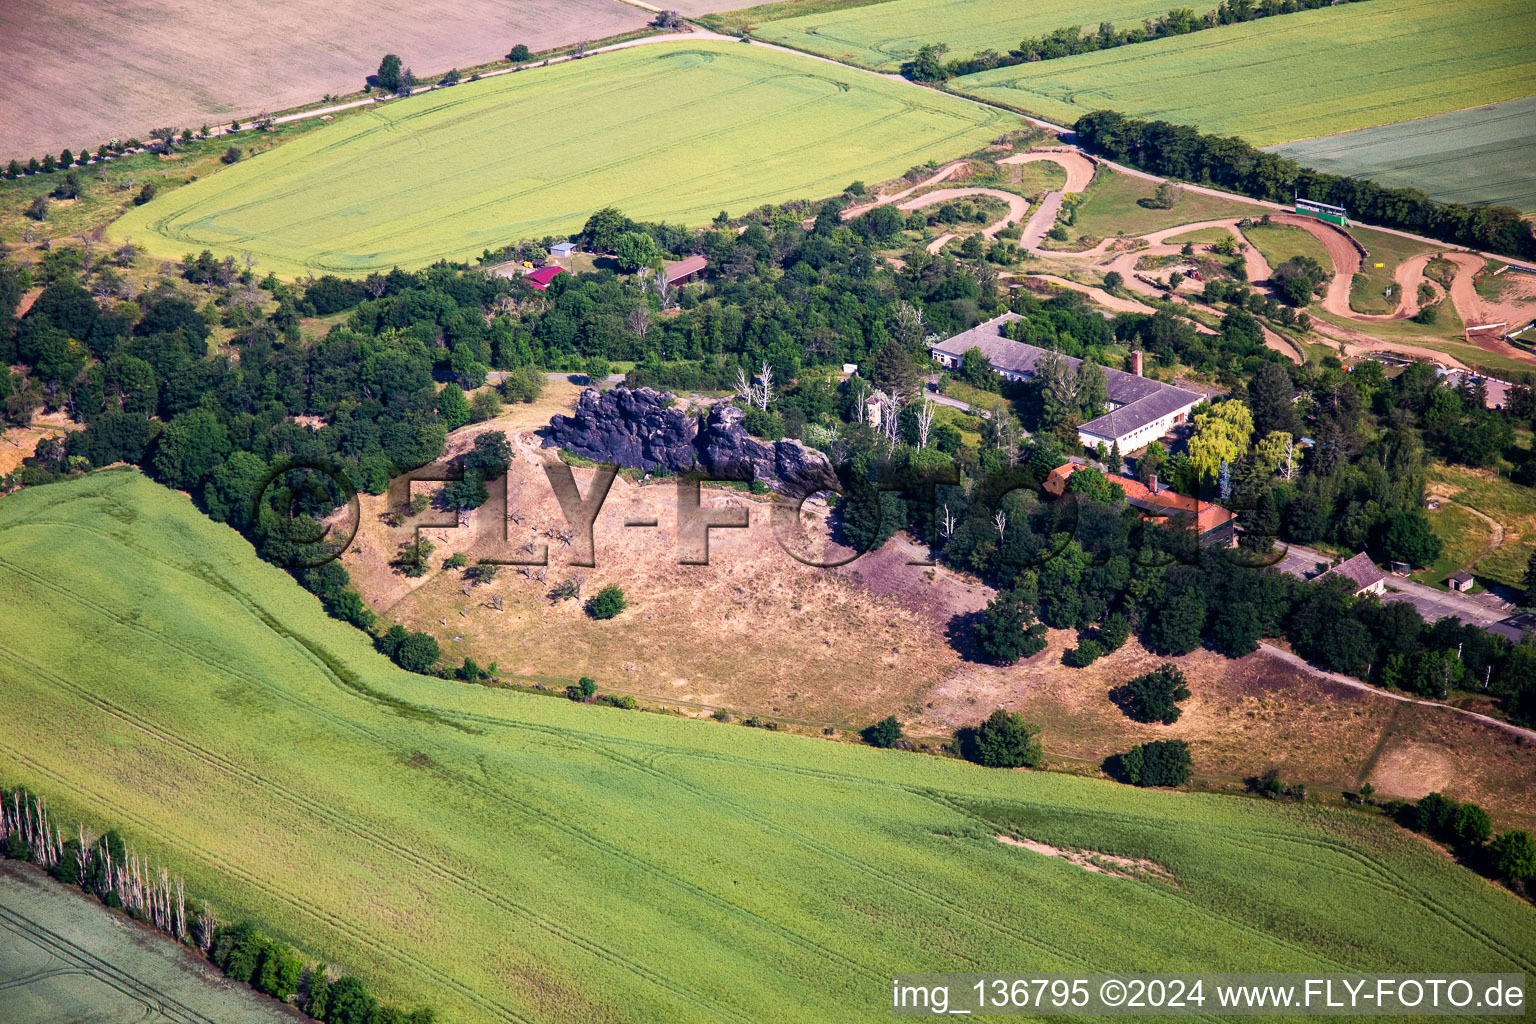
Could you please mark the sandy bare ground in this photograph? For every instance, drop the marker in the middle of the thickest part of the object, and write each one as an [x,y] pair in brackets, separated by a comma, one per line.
[1113,303]
[1139,868]
[1017,205]
[20,443]
[81,73]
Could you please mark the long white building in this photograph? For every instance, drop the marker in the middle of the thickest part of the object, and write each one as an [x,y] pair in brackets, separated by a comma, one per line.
[1139,410]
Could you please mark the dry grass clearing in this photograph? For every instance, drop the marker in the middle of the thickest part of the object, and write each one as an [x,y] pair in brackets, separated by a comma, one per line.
[18,444]
[759,633]
[82,73]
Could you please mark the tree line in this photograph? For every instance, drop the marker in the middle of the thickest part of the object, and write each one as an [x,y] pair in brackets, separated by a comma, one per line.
[106,868]
[1182,151]
[928,65]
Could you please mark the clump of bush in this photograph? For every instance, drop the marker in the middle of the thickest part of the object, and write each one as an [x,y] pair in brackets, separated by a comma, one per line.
[1004,740]
[884,733]
[414,652]
[607,603]
[1158,763]
[1085,653]
[1154,697]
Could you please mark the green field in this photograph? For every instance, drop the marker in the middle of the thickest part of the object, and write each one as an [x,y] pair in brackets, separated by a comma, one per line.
[883,35]
[1281,242]
[65,957]
[1329,70]
[510,857]
[1482,155]
[668,131]
[1113,205]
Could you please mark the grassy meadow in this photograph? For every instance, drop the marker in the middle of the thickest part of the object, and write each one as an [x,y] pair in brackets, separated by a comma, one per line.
[1317,72]
[1481,155]
[1113,205]
[882,35]
[1281,242]
[510,857]
[664,132]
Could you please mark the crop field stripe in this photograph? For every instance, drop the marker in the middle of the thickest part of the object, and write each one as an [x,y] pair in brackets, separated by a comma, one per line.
[496,792]
[635,764]
[883,35]
[353,929]
[1374,874]
[1366,64]
[1482,154]
[351,825]
[552,805]
[673,131]
[83,961]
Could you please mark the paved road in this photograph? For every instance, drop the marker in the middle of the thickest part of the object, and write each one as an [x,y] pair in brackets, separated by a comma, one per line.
[1474,609]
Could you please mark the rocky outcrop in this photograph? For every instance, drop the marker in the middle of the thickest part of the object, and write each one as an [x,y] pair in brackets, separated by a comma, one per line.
[640,429]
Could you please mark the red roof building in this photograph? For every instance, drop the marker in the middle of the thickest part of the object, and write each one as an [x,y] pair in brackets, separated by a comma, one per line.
[686,270]
[540,278]
[1213,523]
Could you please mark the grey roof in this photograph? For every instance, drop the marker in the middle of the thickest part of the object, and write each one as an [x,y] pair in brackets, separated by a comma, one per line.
[1513,628]
[1141,400]
[1462,577]
[1137,414]
[1359,570]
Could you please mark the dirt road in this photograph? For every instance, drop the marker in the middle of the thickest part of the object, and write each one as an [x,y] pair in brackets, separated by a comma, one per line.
[1352,682]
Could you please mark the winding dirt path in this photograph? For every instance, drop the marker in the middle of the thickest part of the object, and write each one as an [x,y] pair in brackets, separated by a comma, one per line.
[1080,170]
[942,174]
[1114,303]
[1254,263]
[1258,269]
[1078,167]
[1018,206]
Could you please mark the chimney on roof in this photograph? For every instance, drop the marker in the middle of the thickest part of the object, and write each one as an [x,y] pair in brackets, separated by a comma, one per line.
[1136,362]
[1152,480]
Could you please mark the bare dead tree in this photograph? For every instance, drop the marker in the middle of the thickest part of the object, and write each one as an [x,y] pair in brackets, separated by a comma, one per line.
[204,930]
[639,321]
[765,389]
[924,423]
[1000,521]
[181,910]
[664,290]
[744,389]
[890,419]
[82,856]
[496,602]
[947,523]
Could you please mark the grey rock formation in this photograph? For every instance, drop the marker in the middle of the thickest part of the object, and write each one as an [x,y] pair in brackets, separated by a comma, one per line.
[639,428]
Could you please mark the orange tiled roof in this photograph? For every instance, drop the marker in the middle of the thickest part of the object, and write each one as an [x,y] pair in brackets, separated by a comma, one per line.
[1207,515]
